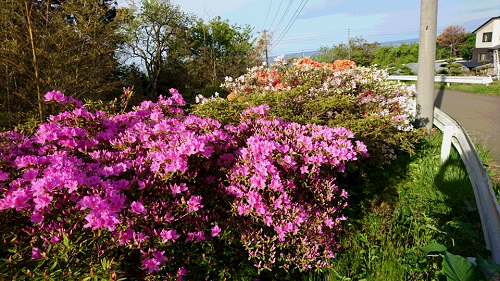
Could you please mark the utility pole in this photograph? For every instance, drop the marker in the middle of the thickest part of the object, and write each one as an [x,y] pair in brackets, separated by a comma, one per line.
[426,64]
[496,63]
[265,46]
[264,40]
[349,42]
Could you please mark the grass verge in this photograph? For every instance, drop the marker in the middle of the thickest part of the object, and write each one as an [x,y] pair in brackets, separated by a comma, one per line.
[425,201]
[491,89]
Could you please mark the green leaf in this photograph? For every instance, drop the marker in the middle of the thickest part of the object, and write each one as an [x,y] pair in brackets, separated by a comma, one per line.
[433,248]
[65,240]
[487,265]
[467,227]
[435,228]
[457,268]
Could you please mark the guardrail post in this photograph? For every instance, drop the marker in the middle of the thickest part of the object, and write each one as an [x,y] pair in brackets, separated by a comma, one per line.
[449,131]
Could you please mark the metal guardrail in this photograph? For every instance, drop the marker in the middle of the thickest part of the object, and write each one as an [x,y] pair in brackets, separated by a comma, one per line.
[447,79]
[487,203]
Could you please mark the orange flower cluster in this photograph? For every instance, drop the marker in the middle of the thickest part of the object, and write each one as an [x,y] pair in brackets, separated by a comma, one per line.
[338,65]
[270,77]
[276,80]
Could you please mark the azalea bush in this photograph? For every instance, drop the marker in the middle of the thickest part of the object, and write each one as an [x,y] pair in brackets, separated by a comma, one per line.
[155,193]
[333,94]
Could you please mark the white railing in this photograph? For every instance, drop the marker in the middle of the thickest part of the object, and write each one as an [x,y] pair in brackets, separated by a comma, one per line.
[447,79]
[487,203]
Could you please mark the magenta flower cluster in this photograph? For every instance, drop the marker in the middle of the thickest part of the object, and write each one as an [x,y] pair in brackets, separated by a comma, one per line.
[162,182]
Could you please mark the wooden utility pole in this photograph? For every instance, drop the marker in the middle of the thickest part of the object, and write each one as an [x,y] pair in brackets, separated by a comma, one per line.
[349,42]
[426,64]
[265,46]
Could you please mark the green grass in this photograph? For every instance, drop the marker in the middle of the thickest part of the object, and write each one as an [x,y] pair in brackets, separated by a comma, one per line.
[423,201]
[491,89]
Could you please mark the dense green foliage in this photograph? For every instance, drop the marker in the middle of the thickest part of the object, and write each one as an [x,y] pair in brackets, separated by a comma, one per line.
[181,51]
[79,47]
[66,45]
[420,201]
[217,50]
[358,50]
[452,42]
[395,57]
[157,34]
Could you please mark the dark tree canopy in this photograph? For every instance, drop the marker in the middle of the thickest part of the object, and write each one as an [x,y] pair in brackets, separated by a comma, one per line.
[63,45]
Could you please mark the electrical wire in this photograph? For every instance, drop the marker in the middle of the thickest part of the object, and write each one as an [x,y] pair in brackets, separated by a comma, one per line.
[335,36]
[290,2]
[277,12]
[292,21]
[268,10]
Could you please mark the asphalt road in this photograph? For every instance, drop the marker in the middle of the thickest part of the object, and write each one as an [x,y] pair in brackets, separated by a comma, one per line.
[478,114]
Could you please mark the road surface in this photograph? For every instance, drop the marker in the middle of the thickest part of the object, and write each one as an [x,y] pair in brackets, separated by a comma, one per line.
[478,114]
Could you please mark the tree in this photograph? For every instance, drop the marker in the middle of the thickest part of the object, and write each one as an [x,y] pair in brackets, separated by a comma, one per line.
[358,50]
[261,50]
[452,37]
[219,49]
[465,50]
[362,52]
[336,52]
[65,45]
[157,34]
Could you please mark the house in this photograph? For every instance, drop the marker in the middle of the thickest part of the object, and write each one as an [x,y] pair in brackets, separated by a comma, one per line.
[487,40]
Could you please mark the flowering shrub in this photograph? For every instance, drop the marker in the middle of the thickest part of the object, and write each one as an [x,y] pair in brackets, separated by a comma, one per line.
[339,94]
[155,193]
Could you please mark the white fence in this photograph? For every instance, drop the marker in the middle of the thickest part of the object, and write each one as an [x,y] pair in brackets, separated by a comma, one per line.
[447,79]
[486,201]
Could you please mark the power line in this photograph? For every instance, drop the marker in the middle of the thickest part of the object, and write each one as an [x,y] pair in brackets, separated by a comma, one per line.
[277,12]
[292,21]
[336,36]
[268,10]
[290,2]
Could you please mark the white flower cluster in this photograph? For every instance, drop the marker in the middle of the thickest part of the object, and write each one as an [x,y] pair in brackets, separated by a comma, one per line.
[202,100]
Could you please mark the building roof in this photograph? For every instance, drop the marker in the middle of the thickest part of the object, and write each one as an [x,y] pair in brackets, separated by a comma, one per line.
[470,64]
[494,18]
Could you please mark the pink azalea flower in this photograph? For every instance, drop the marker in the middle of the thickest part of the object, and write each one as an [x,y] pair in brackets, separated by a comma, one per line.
[3,176]
[182,271]
[150,264]
[168,235]
[30,174]
[137,208]
[194,203]
[42,201]
[77,103]
[36,253]
[178,188]
[56,96]
[215,231]
[200,236]
[37,217]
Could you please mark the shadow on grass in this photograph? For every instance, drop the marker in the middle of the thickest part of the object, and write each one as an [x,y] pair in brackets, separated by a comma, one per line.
[464,231]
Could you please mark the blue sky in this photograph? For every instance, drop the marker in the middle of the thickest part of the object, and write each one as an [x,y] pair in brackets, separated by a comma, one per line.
[326,22]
